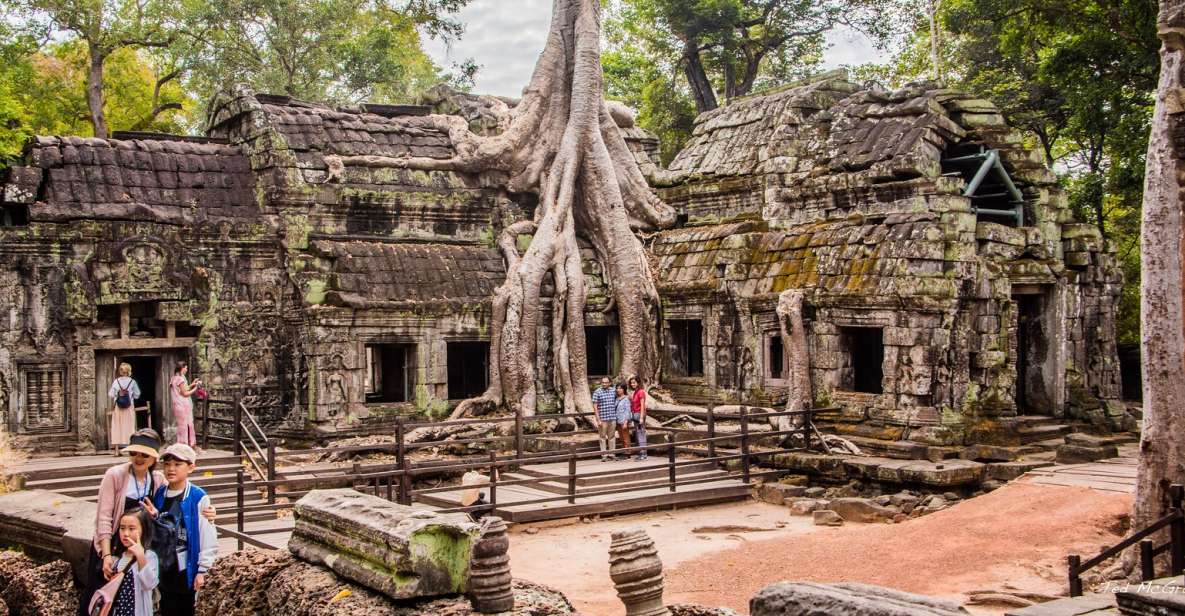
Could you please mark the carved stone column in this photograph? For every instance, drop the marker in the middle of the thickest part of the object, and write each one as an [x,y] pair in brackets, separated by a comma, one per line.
[636,571]
[490,589]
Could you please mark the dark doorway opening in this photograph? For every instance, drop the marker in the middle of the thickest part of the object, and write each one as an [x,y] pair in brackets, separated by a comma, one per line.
[1032,348]
[687,348]
[389,372]
[776,362]
[863,350]
[468,369]
[600,343]
[149,406]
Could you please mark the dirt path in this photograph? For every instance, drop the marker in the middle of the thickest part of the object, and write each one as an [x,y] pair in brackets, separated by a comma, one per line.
[1017,536]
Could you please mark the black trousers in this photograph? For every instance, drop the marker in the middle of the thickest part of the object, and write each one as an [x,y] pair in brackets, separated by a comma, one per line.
[176,597]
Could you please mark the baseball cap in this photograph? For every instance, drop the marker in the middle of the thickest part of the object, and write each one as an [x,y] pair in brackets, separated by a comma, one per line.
[180,451]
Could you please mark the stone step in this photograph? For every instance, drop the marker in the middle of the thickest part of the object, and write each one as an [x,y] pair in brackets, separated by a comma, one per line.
[1034,434]
[898,450]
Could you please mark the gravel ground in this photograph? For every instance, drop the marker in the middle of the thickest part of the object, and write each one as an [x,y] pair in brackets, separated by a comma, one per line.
[1014,538]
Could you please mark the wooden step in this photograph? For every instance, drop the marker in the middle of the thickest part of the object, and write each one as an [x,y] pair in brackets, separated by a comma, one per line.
[560,485]
[650,470]
[96,466]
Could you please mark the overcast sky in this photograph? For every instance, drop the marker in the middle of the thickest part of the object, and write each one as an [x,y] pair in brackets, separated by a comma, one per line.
[505,38]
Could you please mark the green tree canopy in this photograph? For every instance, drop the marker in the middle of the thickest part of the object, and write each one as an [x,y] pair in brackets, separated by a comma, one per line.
[333,50]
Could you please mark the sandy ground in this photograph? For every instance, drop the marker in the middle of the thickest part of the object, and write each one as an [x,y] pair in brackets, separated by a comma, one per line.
[1016,537]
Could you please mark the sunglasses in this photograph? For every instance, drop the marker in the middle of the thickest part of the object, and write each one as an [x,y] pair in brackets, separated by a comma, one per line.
[137,454]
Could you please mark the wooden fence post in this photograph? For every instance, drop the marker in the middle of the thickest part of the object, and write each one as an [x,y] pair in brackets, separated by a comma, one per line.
[271,472]
[1075,561]
[206,423]
[1177,531]
[1147,561]
[711,432]
[808,420]
[671,465]
[493,479]
[572,473]
[745,444]
[400,452]
[405,483]
[238,427]
[239,500]
[518,435]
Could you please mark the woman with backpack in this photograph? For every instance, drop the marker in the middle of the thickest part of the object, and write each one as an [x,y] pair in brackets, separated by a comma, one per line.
[123,392]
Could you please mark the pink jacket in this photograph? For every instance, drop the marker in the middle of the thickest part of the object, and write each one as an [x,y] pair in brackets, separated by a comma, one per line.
[114,484]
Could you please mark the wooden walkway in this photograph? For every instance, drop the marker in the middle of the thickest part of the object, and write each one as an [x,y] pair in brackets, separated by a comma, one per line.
[1112,475]
[627,486]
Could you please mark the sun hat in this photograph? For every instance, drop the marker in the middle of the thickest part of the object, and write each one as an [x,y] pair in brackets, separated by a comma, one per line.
[471,494]
[180,451]
[142,443]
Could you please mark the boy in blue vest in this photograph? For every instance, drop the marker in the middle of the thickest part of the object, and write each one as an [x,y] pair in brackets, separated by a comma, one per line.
[197,541]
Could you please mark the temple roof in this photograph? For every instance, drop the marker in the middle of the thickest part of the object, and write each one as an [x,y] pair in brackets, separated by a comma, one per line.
[827,125]
[174,180]
[377,274]
[903,255]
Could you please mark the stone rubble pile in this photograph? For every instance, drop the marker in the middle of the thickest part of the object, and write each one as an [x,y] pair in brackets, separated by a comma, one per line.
[355,554]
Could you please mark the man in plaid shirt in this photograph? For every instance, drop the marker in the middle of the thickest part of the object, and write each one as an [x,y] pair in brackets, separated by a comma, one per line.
[606,403]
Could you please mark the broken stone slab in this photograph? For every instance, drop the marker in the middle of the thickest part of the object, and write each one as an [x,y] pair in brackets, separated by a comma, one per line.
[1090,440]
[946,473]
[1102,604]
[860,510]
[48,526]
[826,517]
[1077,454]
[777,493]
[393,549]
[847,599]
[806,506]
[1155,601]
[1007,471]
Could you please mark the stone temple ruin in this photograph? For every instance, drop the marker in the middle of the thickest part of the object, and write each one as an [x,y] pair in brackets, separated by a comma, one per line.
[947,288]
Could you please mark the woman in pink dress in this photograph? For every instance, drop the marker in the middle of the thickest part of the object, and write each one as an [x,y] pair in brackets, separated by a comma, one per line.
[181,390]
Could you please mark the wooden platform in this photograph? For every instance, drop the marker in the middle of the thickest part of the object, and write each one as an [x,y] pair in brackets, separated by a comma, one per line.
[1112,475]
[643,484]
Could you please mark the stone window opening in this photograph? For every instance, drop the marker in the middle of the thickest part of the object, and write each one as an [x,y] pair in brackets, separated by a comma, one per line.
[686,347]
[42,398]
[389,372]
[862,356]
[468,369]
[994,196]
[14,215]
[603,350]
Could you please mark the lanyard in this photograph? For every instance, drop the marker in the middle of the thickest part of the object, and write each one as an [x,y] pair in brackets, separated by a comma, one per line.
[147,478]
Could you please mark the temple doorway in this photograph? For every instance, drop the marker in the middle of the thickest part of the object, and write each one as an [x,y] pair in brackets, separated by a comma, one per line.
[152,369]
[1034,393]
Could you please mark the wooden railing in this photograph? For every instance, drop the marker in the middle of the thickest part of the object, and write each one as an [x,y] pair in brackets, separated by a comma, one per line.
[247,438]
[1174,521]
[395,482]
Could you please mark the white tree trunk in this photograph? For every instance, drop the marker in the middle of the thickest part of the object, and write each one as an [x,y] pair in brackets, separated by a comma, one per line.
[1162,311]
[794,343]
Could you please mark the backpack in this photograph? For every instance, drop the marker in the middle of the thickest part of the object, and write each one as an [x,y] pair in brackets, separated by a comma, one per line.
[165,531]
[124,399]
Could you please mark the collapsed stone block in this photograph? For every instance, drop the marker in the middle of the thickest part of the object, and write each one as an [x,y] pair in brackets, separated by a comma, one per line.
[393,549]
[848,599]
[860,510]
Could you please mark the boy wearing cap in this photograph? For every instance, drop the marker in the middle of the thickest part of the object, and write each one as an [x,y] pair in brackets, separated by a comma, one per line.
[197,540]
